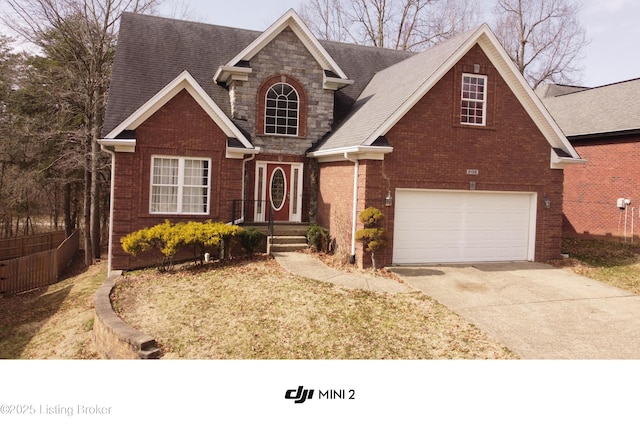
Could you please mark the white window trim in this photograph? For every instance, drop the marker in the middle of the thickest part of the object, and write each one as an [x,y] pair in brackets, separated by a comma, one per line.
[181,162]
[484,99]
[287,126]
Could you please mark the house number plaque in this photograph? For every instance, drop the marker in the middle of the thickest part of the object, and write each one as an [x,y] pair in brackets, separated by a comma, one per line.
[472,172]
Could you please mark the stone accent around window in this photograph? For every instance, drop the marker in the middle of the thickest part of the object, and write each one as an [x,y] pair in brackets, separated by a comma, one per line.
[286,58]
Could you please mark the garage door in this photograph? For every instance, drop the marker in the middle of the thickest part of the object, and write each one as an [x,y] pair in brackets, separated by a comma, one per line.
[449,226]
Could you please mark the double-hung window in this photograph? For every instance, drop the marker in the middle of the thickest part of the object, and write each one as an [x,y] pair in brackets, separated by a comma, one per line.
[180,185]
[474,99]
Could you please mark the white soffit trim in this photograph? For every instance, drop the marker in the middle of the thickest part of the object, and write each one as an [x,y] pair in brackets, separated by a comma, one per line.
[527,97]
[356,152]
[293,21]
[435,77]
[225,74]
[183,81]
[558,163]
[119,145]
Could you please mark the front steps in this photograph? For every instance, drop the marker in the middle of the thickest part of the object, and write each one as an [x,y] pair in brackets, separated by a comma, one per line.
[287,237]
[286,243]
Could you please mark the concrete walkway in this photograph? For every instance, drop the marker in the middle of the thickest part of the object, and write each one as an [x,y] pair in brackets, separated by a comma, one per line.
[309,266]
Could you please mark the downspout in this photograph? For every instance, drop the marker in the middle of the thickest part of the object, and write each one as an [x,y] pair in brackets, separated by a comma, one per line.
[244,168]
[354,217]
[111,197]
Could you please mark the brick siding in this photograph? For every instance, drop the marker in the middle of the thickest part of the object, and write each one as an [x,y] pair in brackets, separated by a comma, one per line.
[433,151]
[179,128]
[592,189]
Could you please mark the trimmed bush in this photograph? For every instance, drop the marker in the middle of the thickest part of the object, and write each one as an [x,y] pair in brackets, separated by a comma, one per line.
[250,239]
[373,236]
[318,238]
[166,239]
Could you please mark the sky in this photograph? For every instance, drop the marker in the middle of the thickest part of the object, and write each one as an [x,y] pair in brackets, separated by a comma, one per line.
[611,25]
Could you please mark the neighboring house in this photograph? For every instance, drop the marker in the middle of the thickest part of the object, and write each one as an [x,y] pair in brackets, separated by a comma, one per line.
[601,198]
[210,122]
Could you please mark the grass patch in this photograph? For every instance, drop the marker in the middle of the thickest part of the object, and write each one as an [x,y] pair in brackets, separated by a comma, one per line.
[53,322]
[257,310]
[611,262]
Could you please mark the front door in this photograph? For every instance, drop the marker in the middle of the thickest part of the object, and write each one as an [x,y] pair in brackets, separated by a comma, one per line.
[279,188]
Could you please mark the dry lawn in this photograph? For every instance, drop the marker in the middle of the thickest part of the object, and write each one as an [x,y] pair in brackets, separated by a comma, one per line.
[257,310]
[53,322]
[613,262]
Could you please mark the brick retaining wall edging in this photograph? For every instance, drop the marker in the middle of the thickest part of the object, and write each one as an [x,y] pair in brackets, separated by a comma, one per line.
[113,338]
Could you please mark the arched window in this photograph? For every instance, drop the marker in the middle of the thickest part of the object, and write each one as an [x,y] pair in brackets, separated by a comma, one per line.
[281,110]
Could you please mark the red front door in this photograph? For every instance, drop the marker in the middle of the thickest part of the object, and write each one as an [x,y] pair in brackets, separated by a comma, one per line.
[279,190]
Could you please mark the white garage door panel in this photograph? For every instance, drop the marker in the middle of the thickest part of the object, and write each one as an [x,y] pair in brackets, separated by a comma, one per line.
[435,226]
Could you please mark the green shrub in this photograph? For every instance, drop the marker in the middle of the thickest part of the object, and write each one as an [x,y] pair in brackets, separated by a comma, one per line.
[166,239]
[318,237]
[250,239]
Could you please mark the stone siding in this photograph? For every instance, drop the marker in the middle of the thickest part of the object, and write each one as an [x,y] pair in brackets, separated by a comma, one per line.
[285,56]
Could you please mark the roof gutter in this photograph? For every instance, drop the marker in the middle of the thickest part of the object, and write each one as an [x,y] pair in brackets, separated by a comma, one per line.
[356,152]
[588,139]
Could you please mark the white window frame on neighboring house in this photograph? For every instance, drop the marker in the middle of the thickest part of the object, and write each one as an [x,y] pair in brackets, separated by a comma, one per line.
[175,189]
[282,110]
[473,104]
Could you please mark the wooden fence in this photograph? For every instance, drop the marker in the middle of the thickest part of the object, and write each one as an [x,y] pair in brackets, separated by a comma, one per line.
[37,270]
[11,248]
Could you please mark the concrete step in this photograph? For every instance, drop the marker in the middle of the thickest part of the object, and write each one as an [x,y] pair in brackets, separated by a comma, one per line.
[286,243]
[287,247]
[281,228]
[288,239]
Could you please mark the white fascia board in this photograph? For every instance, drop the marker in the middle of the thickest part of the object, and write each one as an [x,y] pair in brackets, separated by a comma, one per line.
[355,152]
[239,153]
[335,83]
[293,21]
[507,69]
[226,74]
[525,94]
[183,81]
[435,77]
[558,163]
[119,145]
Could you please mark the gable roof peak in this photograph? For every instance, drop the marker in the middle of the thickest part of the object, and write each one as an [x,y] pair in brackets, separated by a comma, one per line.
[380,105]
[293,21]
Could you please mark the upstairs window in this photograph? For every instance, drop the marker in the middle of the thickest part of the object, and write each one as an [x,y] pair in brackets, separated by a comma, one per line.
[281,110]
[474,100]
[180,185]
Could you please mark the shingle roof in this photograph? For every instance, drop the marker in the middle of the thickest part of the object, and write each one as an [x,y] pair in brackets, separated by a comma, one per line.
[152,51]
[605,109]
[388,91]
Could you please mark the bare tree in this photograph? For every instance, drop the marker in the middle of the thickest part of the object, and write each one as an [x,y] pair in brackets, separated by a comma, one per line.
[326,19]
[543,37]
[82,34]
[399,24]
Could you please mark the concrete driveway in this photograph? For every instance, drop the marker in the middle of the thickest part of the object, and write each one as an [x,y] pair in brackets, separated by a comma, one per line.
[536,310]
